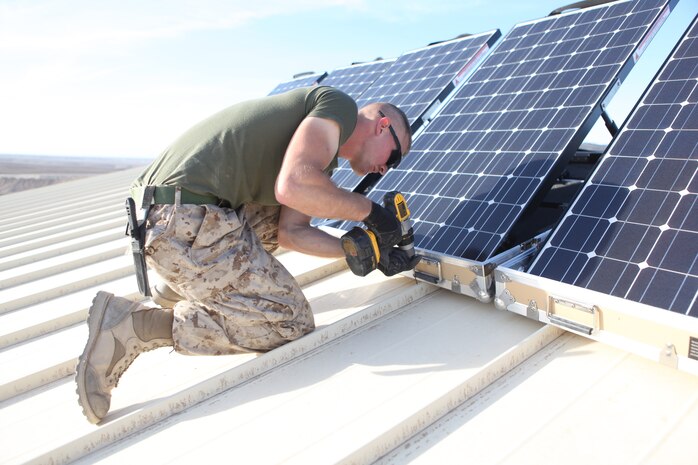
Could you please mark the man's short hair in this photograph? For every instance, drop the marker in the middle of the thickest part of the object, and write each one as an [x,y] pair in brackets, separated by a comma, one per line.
[405,123]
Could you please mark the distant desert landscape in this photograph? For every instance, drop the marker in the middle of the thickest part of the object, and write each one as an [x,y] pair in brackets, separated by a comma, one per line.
[23,172]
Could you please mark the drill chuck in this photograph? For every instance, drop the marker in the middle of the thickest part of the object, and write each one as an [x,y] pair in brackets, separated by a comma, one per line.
[407,242]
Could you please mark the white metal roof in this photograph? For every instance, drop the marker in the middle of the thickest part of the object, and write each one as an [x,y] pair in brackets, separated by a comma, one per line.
[398,371]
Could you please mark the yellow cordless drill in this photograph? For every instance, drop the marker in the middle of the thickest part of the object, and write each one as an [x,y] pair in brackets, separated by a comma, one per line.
[362,248]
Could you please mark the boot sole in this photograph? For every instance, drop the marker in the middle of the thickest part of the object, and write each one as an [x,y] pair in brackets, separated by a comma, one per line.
[95,317]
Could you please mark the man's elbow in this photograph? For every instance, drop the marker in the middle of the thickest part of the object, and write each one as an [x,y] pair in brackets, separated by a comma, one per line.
[287,192]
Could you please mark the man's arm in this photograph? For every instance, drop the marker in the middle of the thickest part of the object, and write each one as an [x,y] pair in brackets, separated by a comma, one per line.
[296,233]
[302,184]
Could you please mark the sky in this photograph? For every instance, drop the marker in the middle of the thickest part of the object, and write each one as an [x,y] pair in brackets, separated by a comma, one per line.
[125,78]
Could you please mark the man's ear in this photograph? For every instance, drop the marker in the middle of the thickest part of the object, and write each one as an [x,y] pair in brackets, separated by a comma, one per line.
[382,124]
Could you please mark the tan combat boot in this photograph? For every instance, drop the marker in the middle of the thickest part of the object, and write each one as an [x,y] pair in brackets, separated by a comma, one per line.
[119,330]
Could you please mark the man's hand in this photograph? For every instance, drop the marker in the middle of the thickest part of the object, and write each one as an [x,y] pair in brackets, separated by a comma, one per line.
[395,260]
[384,225]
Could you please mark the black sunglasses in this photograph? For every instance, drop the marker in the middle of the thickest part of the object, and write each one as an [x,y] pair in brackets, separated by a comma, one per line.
[396,155]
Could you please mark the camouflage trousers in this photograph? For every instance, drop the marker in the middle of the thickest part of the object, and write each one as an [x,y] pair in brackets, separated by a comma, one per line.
[237,296]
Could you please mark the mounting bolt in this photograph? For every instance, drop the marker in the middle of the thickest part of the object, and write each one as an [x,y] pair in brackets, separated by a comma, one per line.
[668,356]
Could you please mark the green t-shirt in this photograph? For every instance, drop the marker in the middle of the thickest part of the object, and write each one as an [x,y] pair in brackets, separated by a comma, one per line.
[236,154]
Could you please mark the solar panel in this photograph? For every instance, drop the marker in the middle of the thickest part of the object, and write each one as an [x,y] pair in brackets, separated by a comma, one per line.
[633,230]
[418,79]
[507,133]
[355,79]
[303,81]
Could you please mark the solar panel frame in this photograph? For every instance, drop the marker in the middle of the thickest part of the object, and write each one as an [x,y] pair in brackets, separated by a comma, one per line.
[303,81]
[476,204]
[632,250]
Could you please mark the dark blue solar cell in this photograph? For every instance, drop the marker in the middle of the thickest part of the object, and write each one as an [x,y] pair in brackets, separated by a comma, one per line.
[686,50]
[532,164]
[620,9]
[497,220]
[654,117]
[482,122]
[583,96]
[687,118]
[638,240]
[602,275]
[456,185]
[498,164]
[513,191]
[619,171]
[474,244]
[679,69]
[676,250]
[566,266]
[566,118]
[579,30]
[613,21]
[693,186]
[659,288]
[635,208]
[466,213]
[669,92]
[636,142]
[600,201]
[554,140]
[646,5]
[684,216]
[585,242]
[443,237]
[666,175]
[599,74]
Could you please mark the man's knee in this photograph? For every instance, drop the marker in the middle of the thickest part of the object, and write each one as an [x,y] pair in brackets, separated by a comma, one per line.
[302,324]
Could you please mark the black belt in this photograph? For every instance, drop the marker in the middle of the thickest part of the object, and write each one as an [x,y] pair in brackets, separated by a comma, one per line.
[167,195]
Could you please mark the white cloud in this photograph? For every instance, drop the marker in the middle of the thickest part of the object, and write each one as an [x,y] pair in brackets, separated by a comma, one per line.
[83,26]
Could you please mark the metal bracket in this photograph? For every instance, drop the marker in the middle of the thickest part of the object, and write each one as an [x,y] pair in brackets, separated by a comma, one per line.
[534,242]
[577,317]
[668,356]
[455,284]
[501,277]
[429,270]
[532,310]
[480,294]
[477,270]
[610,124]
[608,121]
[503,300]
[483,270]
[431,111]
